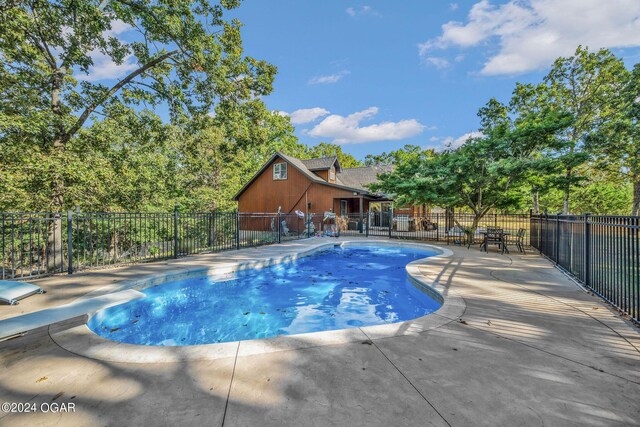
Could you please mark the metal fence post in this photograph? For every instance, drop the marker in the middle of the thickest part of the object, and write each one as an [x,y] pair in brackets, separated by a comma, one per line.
[530,226]
[237,230]
[70,242]
[367,225]
[546,234]
[3,251]
[279,231]
[390,222]
[175,231]
[557,240]
[587,249]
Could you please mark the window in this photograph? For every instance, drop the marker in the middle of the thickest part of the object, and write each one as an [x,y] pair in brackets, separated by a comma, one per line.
[332,174]
[280,171]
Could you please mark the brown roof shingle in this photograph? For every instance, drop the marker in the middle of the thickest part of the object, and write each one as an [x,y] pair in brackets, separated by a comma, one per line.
[361,177]
[319,163]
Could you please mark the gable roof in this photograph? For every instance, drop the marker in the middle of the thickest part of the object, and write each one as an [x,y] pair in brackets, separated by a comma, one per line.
[356,178]
[321,163]
[299,164]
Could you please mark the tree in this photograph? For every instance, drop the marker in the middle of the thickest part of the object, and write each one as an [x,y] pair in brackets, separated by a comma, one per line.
[130,160]
[325,149]
[181,53]
[484,174]
[534,119]
[616,143]
[394,157]
[600,193]
[586,86]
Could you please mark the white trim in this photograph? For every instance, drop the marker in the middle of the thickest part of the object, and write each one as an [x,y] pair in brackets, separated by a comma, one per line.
[282,167]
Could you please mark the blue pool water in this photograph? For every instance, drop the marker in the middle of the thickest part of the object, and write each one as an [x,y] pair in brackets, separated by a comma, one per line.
[337,288]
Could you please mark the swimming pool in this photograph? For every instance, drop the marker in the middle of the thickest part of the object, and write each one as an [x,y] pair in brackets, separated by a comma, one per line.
[335,288]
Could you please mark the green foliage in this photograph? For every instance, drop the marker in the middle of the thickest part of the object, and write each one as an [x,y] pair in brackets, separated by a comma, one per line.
[325,149]
[66,141]
[182,54]
[616,143]
[486,173]
[395,157]
[598,194]
[586,86]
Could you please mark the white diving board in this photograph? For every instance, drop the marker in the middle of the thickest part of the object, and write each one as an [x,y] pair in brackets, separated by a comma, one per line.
[11,291]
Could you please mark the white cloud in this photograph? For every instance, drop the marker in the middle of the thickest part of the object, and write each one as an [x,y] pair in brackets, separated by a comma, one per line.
[438,62]
[117,27]
[332,78]
[363,10]
[450,142]
[453,6]
[307,115]
[104,68]
[347,130]
[531,34]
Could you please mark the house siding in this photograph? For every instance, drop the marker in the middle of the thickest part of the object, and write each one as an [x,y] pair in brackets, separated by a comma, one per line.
[266,194]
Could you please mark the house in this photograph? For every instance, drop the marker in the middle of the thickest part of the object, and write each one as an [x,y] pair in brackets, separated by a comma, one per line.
[316,186]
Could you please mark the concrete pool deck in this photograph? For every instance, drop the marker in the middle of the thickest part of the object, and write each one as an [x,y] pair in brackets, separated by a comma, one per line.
[530,348]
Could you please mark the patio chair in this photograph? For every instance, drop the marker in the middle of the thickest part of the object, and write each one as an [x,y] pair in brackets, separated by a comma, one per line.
[519,241]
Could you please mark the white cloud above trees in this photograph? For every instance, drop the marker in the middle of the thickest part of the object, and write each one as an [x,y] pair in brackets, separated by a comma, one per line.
[528,35]
[348,129]
[306,115]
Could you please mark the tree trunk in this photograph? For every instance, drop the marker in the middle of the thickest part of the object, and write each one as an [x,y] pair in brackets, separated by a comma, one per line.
[55,258]
[54,255]
[635,210]
[536,202]
[567,193]
[113,246]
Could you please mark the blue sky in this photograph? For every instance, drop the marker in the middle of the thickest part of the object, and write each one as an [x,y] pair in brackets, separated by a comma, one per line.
[376,75]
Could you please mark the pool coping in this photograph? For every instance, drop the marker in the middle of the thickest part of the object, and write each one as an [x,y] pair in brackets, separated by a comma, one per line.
[80,340]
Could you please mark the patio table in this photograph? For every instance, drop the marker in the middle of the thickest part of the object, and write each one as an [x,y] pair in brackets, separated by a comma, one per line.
[503,239]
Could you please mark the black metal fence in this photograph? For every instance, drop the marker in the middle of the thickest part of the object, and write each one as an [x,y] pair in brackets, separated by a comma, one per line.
[439,227]
[38,244]
[600,251]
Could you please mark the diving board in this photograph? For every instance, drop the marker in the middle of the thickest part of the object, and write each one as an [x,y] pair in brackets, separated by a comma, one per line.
[11,291]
